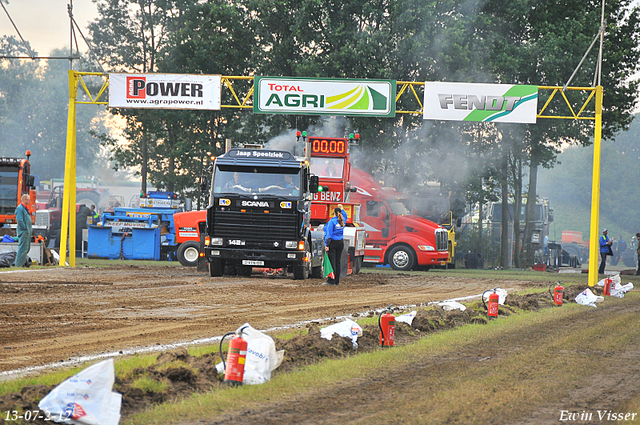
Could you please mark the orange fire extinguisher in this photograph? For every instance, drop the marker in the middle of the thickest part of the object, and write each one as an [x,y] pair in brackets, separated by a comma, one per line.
[492,308]
[387,324]
[558,294]
[236,357]
[607,287]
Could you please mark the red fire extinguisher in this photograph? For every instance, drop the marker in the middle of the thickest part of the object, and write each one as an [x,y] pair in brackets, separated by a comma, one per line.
[607,287]
[236,357]
[492,308]
[387,324]
[558,294]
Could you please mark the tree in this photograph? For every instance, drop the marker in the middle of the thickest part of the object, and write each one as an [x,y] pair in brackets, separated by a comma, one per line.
[34,100]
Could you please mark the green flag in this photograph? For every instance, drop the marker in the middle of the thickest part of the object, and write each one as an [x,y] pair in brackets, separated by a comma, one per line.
[328,269]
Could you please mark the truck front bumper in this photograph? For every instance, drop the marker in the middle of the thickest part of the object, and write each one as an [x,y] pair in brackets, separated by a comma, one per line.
[432,258]
[246,257]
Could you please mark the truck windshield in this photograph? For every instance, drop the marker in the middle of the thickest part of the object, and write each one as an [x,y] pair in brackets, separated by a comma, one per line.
[327,167]
[8,189]
[257,180]
[399,207]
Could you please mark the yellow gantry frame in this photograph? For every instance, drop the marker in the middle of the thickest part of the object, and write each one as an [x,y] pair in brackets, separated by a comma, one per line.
[405,90]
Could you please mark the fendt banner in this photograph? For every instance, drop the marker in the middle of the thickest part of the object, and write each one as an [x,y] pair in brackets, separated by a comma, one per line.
[165,91]
[324,96]
[480,102]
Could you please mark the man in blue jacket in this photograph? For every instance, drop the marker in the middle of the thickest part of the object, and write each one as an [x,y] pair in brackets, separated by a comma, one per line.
[605,249]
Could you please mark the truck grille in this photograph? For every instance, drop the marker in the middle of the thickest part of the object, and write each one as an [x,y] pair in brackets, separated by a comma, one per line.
[442,240]
[42,218]
[255,228]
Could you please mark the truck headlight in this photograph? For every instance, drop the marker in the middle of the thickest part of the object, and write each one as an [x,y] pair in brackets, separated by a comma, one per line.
[426,248]
[216,241]
[291,244]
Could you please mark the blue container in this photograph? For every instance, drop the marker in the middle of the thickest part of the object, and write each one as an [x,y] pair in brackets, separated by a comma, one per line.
[139,244]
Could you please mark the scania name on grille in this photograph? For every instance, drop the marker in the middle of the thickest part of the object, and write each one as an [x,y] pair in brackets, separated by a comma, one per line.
[262,204]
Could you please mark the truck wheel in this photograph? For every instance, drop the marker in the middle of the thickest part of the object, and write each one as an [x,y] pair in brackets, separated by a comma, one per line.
[188,253]
[357,264]
[244,270]
[401,258]
[318,272]
[216,267]
[88,199]
[301,271]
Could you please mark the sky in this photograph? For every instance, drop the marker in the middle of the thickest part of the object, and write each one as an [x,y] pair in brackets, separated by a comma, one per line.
[45,23]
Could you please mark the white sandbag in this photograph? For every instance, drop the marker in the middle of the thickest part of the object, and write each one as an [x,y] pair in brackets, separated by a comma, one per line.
[406,318]
[348,328]
[454,305]
[86,397]
[588,298]
[502,295]
[619,290]
[613,279]
[262,358]
[626,288]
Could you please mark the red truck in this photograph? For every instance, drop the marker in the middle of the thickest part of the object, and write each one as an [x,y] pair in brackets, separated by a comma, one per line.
[396,235]
[15,180]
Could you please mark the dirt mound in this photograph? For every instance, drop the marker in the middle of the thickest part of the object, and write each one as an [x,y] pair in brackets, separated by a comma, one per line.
[177,374]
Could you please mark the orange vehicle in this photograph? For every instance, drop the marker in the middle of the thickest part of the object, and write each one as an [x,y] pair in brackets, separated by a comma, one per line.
[187,225]
[15,180]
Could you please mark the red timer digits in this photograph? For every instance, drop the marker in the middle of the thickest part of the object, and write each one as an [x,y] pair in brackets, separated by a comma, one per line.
[328,146]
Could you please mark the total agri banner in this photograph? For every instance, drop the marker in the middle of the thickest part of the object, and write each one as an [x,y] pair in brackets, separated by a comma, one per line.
[505,103]
[165,91]
[324,96]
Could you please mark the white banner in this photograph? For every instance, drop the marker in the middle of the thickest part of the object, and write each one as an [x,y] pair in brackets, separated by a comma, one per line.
[165,91]
[480,102]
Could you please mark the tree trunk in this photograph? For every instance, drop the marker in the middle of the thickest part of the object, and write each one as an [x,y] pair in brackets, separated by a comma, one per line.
[504,227]
[517,194]
[530,212]
[505,245]
[480,221]
[145,162]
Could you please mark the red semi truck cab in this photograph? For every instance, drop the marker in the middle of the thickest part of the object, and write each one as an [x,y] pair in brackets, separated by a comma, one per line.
[395,235]
[15,180]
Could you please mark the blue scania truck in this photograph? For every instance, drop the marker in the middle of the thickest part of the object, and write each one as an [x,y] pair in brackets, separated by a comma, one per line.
[259,214]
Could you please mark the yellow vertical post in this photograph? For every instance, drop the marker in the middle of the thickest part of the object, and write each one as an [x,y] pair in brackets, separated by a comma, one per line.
[594,233]
[69,197]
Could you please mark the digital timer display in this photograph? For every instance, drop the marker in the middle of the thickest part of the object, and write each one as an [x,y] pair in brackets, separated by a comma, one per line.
[328,146]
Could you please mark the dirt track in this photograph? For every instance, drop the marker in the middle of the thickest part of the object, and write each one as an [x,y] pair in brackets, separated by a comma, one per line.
[53,315]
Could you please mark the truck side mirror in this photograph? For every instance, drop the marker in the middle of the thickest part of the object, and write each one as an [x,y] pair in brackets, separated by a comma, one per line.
[459,222]
[550,215]
[314,182]
[203,184]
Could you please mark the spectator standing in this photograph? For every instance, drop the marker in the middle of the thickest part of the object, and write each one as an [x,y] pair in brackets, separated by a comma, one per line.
[24,230]
[605,249]
[334,242]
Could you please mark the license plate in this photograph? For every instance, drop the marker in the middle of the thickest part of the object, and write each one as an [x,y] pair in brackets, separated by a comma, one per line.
[252,263]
